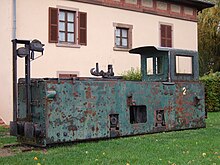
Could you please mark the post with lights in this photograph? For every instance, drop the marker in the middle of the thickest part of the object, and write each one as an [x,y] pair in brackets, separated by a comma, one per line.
[27,52]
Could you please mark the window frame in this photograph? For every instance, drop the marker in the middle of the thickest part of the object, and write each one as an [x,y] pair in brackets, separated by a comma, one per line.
[60,74]
[155,64]
[175,68]
[121,37]
[66,22]
[79,39]
[129,36]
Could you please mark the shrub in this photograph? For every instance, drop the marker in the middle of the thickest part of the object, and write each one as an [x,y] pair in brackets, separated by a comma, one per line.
[212,91]
[133,74]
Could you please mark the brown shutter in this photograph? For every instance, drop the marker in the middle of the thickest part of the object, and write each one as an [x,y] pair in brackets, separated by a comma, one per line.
[53,25]
[163,35]
[166,35]
[82,28]
[169,36]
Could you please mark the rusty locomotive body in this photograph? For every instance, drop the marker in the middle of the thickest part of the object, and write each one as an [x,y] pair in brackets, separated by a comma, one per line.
[167,98]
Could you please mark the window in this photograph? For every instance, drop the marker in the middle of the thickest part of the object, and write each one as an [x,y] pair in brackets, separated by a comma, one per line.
[150,68]
[123,36]
[184,64]
[67,74]
[166,35]
[154,65]
[67,27]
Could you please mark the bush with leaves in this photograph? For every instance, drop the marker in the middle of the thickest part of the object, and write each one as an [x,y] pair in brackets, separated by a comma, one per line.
[133,74]
[212,91]
[209,39]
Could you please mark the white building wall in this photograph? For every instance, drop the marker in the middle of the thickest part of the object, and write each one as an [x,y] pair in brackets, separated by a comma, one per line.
[32,23]
[6,60]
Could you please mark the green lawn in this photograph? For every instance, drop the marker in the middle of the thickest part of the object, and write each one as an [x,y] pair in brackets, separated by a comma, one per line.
[195,147]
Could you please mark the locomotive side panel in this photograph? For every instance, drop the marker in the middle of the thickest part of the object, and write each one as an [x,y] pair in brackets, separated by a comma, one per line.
[67,110]
[32,130]
[190,105]
[82,109]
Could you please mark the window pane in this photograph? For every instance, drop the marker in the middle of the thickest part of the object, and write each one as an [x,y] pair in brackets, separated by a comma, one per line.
[117,32]
[61,26]
[159,63]
[183,65]
[70,27]
[61,36]
[70,37]
[117,42]
[124,33]
[124,42]
[150,70]
[62,16]
[70,17]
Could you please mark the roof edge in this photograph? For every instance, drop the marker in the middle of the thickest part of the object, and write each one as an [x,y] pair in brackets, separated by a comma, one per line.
[199,4]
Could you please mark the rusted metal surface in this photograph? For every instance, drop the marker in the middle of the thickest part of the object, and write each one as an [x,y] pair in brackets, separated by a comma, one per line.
[68,110]
[92,109]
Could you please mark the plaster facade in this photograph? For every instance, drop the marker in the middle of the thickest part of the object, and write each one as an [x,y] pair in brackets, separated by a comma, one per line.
[32,23]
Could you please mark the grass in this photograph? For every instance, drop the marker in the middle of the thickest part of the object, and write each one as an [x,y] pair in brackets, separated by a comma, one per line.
[4,136]
[201,146]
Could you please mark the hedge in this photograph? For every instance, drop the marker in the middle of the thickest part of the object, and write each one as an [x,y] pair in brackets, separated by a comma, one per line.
[212,91]
[133,74]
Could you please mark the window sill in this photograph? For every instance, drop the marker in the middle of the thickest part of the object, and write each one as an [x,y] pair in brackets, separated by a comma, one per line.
[68,45]
[121,49]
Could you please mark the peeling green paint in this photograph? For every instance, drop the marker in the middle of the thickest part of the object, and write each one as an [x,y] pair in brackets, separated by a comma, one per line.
[81,110]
